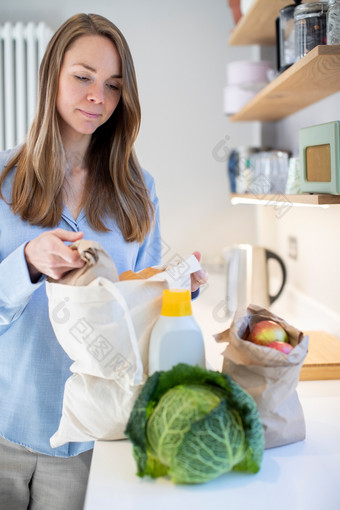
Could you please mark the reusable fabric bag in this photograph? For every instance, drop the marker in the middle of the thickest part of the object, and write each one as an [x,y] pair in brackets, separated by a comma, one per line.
[104,326]
[268,375]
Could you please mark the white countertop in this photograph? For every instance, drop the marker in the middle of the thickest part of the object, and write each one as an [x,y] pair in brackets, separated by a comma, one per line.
[300,476]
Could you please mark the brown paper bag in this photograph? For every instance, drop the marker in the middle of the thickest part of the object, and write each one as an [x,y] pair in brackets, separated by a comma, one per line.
[268,375]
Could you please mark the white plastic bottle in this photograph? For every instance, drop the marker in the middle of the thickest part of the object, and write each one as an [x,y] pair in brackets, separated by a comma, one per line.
[176,337]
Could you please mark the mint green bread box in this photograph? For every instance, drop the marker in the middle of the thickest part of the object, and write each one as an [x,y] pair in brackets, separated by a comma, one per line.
[320,158]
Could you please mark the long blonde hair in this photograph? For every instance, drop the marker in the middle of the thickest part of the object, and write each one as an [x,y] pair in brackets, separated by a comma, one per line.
[115,174]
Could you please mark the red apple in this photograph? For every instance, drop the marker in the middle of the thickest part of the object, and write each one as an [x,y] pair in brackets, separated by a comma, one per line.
[265,332]
[281,346]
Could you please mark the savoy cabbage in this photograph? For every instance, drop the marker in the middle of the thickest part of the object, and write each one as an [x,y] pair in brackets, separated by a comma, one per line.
[194,425]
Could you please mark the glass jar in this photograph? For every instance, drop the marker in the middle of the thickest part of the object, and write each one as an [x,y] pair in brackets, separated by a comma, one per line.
[286,37]
[310,27]
[333,22]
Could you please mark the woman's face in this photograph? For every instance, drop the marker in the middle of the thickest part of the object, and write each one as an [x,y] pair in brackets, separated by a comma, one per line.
[89,85]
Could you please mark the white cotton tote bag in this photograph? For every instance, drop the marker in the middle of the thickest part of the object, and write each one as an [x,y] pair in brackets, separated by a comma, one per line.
[104,325]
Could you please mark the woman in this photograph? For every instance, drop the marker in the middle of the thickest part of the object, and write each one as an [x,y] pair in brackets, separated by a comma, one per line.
[76,175]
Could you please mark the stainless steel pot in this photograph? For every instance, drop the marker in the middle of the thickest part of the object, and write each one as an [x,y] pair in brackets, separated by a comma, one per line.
[248,277]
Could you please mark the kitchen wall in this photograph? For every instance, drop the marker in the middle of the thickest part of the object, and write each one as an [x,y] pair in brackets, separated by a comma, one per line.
[315,272]
[180,52]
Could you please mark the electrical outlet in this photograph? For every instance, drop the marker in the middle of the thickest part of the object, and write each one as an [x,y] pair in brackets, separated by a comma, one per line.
[292,247]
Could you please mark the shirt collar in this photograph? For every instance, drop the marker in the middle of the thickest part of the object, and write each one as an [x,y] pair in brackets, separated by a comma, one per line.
[67,216]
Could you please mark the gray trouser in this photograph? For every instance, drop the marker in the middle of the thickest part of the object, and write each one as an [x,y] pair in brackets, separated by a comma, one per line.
[34,481]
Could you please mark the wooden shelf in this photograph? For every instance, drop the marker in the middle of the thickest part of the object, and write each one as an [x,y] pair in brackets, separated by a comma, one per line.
[312,78]
[272,199]
[257,26]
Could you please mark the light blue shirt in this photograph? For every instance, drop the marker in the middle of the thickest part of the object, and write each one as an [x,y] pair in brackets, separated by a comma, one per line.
[33,366]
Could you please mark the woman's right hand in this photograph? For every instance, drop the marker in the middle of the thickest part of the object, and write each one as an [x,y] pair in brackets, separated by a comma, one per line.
[48,254]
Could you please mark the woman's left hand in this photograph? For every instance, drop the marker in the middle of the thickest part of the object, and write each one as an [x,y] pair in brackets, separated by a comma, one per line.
[199,277]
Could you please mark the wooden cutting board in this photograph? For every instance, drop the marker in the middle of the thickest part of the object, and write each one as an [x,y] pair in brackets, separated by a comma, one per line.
[323,357]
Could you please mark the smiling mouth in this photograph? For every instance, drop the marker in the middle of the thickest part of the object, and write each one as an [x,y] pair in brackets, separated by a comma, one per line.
[90,115]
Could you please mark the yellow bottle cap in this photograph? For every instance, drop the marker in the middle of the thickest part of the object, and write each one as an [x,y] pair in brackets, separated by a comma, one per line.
[176,302]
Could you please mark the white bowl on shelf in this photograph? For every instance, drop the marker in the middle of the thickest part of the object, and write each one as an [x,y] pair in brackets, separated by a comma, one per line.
[248,74]
[234,98]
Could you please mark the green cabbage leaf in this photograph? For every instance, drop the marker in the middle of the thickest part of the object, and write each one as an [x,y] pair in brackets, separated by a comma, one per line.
[194,424]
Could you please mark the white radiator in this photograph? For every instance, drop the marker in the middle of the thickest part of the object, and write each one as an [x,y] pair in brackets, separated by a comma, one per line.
[21,50]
